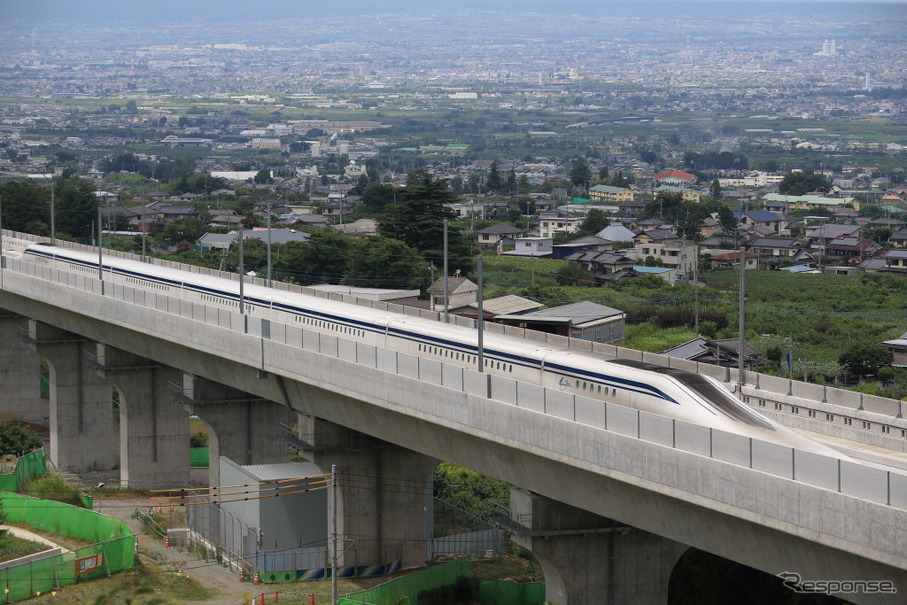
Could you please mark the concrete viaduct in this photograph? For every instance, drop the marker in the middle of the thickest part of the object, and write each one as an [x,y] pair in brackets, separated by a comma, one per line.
[609,498]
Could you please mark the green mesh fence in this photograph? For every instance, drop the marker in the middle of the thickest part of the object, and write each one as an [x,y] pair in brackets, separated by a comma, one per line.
[28,467]
[114,551]
[198,457]
[495,592]
[409,586]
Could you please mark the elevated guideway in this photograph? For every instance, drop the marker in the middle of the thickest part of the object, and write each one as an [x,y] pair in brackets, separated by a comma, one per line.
[771,507]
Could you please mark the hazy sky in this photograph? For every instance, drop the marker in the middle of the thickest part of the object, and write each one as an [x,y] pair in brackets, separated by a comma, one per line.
[229,10]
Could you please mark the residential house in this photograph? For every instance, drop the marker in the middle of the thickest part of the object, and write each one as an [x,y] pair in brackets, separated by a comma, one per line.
[604,265]
[895,261]
[584,320]
[731,260]
[723,352]
[363,227]
[554,222]
[709,226]
[761,218]
[498,236]
[536,247]
[511,304]
[607,193]
[460,293]
[899,239]
[898,348]
[687,194]
[808,202]
[676,178]
[824,234]
[852,248]
[775,247]
[631,209]
[590,243]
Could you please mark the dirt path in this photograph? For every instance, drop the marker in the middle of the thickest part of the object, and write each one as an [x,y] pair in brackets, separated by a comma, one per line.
[213,576]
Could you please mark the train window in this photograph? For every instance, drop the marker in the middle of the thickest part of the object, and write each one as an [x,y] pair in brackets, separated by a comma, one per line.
[848,421]
[812,413]
[510,368]
[830,417]
[886,429]
[904,433]
[599,389]
[794,409]
[577,384]
[867,425]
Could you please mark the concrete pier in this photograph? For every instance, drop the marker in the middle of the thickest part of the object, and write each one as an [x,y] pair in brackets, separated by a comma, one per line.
[591,560]
[154,429]
[385,506]
[244,428]
[19,374]
[83,434]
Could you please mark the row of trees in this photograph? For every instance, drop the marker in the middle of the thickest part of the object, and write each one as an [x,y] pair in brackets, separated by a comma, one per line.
[27,207]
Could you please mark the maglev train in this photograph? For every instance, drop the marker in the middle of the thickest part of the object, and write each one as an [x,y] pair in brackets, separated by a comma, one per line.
[668,392]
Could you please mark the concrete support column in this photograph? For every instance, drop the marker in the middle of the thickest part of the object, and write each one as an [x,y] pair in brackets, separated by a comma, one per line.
[244,428]
[385,506]
[83,433]
[588,559]
[20,374]
[154,430]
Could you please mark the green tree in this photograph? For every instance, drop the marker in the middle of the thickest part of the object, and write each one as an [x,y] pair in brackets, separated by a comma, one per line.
[476,494]
[262,177]
[800,183]
[324,258]
[187,229]
[580,175]
[510,185]
[76,207]
[493,179]
[17,440]
[26,207]
[378,196]
[595,221]
[715,190]
[418,221]
[864,359]
[379,262]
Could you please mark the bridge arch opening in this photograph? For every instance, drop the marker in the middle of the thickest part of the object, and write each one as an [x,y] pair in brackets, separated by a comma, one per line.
[701,578]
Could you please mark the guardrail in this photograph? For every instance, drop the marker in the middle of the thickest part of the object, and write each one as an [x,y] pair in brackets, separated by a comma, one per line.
[846,477]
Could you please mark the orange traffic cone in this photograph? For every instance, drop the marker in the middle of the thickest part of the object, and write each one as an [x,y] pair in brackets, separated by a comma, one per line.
[312,600]
[261,599]
[276,596]
[167,541]
[256,580]
[242,574]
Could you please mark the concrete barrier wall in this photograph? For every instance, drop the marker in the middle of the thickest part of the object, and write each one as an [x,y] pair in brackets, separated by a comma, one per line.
[817,470]
[773,458]
[731,447]
[622,420]
[864,482]
[657,429]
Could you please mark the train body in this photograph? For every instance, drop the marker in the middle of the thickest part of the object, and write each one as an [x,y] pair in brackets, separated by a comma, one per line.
[668,392]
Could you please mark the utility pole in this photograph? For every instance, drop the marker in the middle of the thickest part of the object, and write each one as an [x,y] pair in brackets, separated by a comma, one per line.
[480,320]
[269,243]
[742,320]
[242,306]
[446,286]
[53,229]
[335,494]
